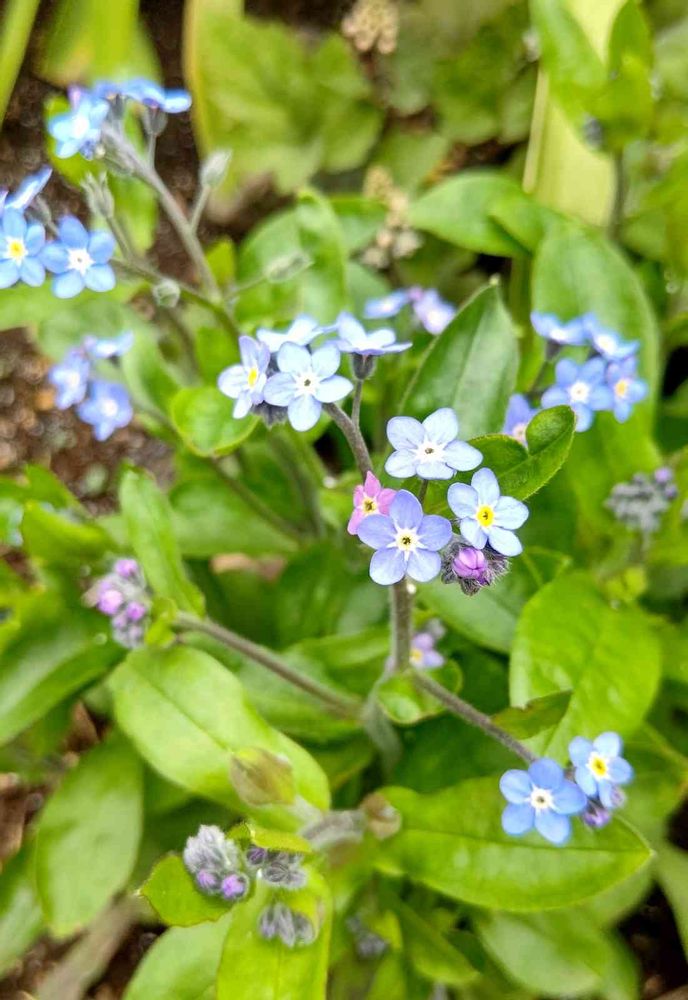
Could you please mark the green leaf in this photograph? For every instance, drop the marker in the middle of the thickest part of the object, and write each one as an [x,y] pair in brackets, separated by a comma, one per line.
[458,211]
[607,656]
[254,969]
[452,841]
[536,716]
[149,379]
[62,541]
[322,240]
[672,873]
[431,954]
[173,895]
[359,219]
[88,836]
[15,32]
[21,918]
[201,718]
[471,367]
[203,417]
[182,963]
[148,519]
[405,705]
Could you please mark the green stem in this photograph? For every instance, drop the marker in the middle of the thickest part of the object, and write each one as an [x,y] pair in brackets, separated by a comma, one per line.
[457,706]
[353,436]
[617,212]
[340,704]
[356,405]
[401,624]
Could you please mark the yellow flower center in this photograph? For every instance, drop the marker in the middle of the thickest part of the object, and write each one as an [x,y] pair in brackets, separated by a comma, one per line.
[621,387]
[416,655]
[16,250]
[252,376]
[485,515]
[598,765]
[406,540]
[369,505]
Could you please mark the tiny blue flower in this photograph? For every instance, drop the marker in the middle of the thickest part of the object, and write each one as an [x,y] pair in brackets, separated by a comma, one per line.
[106,407]
[626,387]
[486,516]
[607,342]
[582,387]
[29,189]
[519,413]
[354,339]
[78,130]
[108,347]
[541,797]
[79,259]
[407,541]
[432,312]
[430,449]
[152,95]
[304,382]
[600,768]
[245,382]
[387,305]
[423,653]
[21,246]
[301,332]
[70,378]
[552,328]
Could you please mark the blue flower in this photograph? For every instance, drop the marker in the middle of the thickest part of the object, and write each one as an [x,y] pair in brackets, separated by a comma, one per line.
[70,378]
[154,96]
[424,656]
[581,387]
[108,347]
[600,768]
[305,381]
[607,342]
[486,516]
[430,449]
[353,338]
[407,541]
[79,259]
[106,407]
[431,310]
[29,189]
[626,387]
[552,328]
[519,413]
[387,305]
[21,246]
[541,797]
[301,332]
[78,130]
[245,382]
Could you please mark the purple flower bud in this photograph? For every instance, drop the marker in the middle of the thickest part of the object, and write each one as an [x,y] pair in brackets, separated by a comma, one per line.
[234,886]
[126,568]
[135,611]
[110,601]
[472,568]
[664,474]
[595,815]
[470,564]
[256,856]
[207,881]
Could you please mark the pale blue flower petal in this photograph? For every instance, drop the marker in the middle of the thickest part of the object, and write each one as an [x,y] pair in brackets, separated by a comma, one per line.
[387,566]
[553,827]
[515,786]
[304,412]
[423,565]
[518,819]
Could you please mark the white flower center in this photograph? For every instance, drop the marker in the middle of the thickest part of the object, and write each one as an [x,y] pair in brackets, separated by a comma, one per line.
[16,250]
[80,260]
[541,799]
[605,343]
[598,765]
[579,392]
[430,451]
[518,431]
[73,378]
[407,540]
[109,408]
[307,383]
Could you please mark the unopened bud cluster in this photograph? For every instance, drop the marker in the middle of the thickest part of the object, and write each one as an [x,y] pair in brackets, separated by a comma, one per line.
[216,864]
[395,238]
[279,921]
[372,24]
[367,943]
[641,503]
[472,568]
[122,595]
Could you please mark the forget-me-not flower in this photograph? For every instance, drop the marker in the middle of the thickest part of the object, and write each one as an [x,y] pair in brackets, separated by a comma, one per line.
[21,246]
[582,387]
[370,498]
[152,95]
[486,516]
[302,331]
[29,189]
[552,328]
[519,413]
[626,387]
[423,654]
[70,378]
[430,449]
[407,541]
[304,382]
[99,348]
[541,797]
[78,130]
[106,408]
[245,382]
[354,339]
[607,342]
[600,768]
[79,259]
[432,312]
[386,306]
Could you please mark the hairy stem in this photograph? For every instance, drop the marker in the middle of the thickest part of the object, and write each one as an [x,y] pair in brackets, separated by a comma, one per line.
[356,405]
[617,211]
[472,715]
[340,704]
[353,436]
[401,624]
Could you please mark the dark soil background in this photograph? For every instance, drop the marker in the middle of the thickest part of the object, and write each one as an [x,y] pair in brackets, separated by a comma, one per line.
[32,430]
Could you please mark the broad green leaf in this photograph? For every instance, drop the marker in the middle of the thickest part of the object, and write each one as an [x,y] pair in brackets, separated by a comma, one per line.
[661,778]
[536,716]
[62,541]
[524,219]
[148,519]
[431,954]
[21,918]
[405,705]
[575,71]
[452,841]
[458,211]
[88,836]
[203,417]
[182,964]
[47,652]
[672,873]
[325,283]
[187,715]
[254,969]
[570,638]
[173,895]
[15,33]
[359,219]
[150,380]
[471,367]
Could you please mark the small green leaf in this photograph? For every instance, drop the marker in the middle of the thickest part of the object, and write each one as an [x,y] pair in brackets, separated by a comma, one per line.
[536,716]
[21,918]
[404,704]
[325,283]
[432,955]
[173,895]
[203,417]
[62,541]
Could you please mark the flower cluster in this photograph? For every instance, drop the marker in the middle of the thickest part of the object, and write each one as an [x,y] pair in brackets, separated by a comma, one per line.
[546,796]
[104,405]
[122,595]
[372,24]
[216,864]
[430,310]
[279,921]
[607,380]
[641,503]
